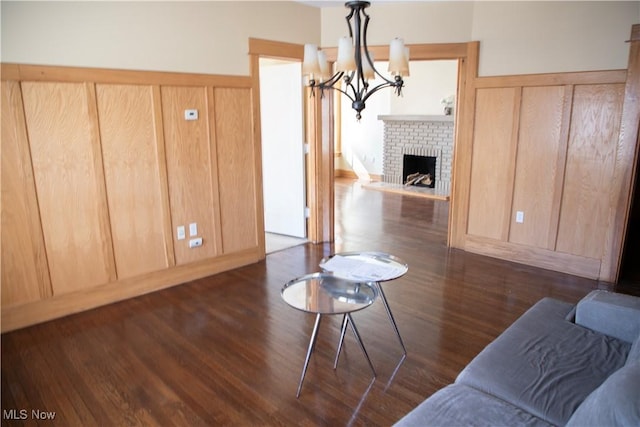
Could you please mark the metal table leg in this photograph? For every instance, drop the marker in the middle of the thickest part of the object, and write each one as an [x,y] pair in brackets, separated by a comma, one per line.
[345,320]
[312,343]
[355,332]
[348,320]
[393,322]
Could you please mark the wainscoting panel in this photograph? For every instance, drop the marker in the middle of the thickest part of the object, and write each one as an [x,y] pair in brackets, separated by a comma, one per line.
[595,126]
[132,171]
[545,146]
[69,180]
[25,276]
[494,148]
[189,169]
[542,142]
[236,169]
[100,167]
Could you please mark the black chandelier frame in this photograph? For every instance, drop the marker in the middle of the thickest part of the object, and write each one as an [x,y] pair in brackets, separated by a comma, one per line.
[360,91]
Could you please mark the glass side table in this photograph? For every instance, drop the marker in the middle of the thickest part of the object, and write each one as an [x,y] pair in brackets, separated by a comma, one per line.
[373,267]
[324,293]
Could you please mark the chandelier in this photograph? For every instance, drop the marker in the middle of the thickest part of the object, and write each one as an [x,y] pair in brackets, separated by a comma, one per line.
[354,64]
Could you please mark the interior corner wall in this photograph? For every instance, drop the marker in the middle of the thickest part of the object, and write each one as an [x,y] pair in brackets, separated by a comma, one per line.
[197,37]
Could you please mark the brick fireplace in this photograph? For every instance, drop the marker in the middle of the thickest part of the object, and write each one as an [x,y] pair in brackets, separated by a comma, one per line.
[429,136]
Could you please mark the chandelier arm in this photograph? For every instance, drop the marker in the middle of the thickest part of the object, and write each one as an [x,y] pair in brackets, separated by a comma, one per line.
[332,81]
[365,30]
[348,19]
[344,92]
[377,88]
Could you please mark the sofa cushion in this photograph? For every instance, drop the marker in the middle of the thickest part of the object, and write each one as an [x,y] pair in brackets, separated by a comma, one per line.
[545,364]
[610,313]
[615,403]
[459,405]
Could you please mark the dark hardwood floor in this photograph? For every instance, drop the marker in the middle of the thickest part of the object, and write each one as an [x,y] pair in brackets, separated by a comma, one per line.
[226,350]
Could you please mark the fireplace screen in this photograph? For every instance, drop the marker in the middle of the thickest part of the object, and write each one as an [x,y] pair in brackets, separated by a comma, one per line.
[419,170]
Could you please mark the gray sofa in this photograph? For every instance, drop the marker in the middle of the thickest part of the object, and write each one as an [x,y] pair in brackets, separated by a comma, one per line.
[558,364]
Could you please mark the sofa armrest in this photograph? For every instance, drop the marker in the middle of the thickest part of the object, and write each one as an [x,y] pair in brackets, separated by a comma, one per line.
[613,314]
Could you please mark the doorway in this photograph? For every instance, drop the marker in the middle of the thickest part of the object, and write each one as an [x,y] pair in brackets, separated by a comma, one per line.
[283,172]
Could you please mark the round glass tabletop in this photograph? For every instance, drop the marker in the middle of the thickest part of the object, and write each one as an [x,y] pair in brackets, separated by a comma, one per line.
[367,266]
[324,293]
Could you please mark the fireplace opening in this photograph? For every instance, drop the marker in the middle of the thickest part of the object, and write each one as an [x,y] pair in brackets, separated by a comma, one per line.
[419,170]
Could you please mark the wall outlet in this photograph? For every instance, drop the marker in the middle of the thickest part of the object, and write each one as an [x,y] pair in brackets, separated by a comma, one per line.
[180,233]
[195,243]
[519,217]
[191,114]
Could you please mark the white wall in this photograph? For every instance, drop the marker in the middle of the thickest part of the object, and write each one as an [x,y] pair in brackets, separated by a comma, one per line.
[199,37]
[211,36]
[430,81]
[515,37]
[548,36]
[415,22]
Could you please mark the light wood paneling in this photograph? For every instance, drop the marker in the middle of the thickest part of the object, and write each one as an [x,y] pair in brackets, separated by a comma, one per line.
[87,177]
[129,147]
[63,147]
[25,275]
[542,142]
[189,169]
[595,125]
[236,168]
[492,173]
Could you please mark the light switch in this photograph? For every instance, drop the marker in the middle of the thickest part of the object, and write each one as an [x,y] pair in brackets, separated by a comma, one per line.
[193,229]
[181,233]
[519,217]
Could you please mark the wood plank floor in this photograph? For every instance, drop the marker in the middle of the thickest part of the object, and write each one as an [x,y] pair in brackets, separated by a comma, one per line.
[226,350]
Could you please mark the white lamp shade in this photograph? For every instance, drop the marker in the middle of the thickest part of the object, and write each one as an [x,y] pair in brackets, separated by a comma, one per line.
[367,70]
[397,60]
[325,70]
[346,55]
[405,71]
[310,66]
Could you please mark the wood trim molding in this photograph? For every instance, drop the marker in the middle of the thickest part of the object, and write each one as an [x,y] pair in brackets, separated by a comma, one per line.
[553,79]
[254,66]
[461,167]
[274,49]
[537,257]
[24,72]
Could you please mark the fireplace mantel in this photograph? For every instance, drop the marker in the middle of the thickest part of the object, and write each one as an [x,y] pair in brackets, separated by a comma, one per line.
[415,118]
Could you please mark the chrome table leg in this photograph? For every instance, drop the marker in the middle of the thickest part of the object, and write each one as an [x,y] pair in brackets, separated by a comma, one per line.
[355,332]
[312,343]
[393,322]
[345,320]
